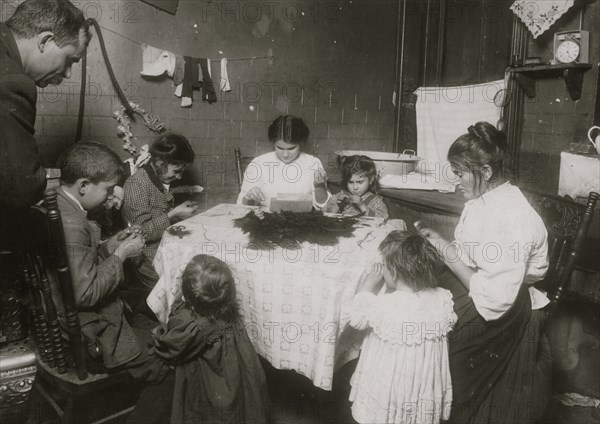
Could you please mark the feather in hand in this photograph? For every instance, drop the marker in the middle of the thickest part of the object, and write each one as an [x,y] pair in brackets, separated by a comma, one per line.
[290,229]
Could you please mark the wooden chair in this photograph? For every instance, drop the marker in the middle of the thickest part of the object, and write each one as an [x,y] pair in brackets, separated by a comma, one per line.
[567,223]
[62,377]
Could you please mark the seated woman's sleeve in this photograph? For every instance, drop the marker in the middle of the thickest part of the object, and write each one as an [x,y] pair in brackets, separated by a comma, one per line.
[252,178]
[317,205]
[138,210]
[504,264]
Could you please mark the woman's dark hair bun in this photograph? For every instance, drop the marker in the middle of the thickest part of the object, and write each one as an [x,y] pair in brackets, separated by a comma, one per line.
[489,134]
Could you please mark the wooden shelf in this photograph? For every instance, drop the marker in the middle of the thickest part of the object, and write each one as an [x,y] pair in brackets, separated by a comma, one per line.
[571,73]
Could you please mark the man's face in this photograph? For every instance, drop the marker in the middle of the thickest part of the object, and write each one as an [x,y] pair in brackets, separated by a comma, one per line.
[54,62]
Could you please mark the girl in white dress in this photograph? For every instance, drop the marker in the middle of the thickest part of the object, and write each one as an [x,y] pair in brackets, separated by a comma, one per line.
[402,374]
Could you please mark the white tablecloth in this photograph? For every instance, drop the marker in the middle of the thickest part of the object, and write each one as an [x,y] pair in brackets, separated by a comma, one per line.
[289,299]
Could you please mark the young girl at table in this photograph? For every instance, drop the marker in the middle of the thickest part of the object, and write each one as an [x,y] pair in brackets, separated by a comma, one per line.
[218,375]
[402,375]
[359,190]
[149,203]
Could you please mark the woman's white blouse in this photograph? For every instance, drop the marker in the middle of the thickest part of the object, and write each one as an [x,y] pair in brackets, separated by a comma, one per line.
[273,176]
[501,235]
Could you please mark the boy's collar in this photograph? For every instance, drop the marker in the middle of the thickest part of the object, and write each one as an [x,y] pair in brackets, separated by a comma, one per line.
[65,190]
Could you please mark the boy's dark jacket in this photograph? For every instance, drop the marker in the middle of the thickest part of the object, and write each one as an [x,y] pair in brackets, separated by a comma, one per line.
[95,276]
[218,376]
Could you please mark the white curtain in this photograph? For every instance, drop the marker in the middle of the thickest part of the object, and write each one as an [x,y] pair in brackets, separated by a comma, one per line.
[444,113]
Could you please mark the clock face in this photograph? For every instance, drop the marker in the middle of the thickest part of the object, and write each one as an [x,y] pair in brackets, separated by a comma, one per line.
[567,51]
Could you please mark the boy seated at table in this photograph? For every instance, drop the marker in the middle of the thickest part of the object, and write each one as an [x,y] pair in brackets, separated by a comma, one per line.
[89,172]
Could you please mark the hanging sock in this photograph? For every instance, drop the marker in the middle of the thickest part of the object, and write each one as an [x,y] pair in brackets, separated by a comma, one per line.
[224,85]
[208,91]
[190,80]
[179,70]
[178,74]
[178,90]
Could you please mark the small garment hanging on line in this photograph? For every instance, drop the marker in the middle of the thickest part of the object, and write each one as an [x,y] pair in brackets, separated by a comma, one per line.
[155,62]
[187,75]
[190,80]
[193,67]
[224,85]
[208,90]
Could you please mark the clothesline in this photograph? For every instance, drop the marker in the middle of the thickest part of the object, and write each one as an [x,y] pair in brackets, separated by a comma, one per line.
[212,60]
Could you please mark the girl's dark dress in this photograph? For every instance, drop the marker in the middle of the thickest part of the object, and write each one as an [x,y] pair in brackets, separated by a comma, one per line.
[218,375]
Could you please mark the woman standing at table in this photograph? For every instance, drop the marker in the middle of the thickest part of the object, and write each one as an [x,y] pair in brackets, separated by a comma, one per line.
[149,203]
[286,169]
[499,359]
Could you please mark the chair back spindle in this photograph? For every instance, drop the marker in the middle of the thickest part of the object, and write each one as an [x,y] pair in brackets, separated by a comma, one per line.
[54,330]
[58,252]
[40,326]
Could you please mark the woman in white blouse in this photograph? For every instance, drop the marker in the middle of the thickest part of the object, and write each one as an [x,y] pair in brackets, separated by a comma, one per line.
[285,170]
[499,357]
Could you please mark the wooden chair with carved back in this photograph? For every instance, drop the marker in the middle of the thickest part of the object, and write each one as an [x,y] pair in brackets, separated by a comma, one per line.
[62,378]
[567,223]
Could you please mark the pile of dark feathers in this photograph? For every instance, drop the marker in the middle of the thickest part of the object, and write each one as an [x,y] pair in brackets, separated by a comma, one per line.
[290,229]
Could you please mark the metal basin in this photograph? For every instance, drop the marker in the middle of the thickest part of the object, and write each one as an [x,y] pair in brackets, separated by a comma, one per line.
[387,162]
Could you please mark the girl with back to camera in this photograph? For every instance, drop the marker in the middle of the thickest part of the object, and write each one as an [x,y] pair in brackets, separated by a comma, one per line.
[402,374]
[286,169]
[218,375]
[499,356]
[360,188]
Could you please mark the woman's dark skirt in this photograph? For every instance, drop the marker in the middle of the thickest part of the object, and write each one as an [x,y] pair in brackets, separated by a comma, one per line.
[501,369]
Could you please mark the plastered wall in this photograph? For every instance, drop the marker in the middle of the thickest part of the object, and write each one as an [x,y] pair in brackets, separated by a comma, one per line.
[333,65]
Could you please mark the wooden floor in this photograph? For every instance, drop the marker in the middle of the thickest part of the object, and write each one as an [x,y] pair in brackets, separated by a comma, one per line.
[295,400]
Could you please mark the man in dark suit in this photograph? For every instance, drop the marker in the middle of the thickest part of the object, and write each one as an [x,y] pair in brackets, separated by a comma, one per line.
[38,46]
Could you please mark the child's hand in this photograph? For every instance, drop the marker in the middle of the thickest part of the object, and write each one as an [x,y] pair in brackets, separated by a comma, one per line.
[182,211]
[254,196]
[356,201]
[371,280]
[341,196]
[113,242]
[130,247]
[135,229]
